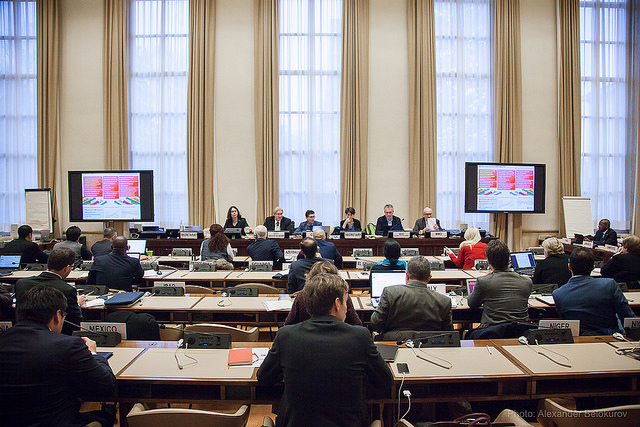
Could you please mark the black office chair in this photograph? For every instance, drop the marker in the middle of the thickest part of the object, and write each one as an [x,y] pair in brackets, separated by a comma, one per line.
[501,330]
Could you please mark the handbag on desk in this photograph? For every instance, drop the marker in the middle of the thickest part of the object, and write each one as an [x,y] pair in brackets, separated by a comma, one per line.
[475,419]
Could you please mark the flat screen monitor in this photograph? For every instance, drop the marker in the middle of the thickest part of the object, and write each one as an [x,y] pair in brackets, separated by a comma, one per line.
[505,187]
[111,195]
[382,279]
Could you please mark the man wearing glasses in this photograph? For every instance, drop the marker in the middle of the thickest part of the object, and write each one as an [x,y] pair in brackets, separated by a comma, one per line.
[427,223]
[59,265]
[45,375]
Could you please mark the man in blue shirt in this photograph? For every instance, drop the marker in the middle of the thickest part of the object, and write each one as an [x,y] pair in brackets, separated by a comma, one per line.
[309,223]
[596,302]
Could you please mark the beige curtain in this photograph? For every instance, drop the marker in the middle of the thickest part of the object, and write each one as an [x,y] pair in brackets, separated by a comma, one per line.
[634,110]
[114,71]
[508,103]
[422,106]
[266,105]
[568,54]
[354,106]
[200,112]
[48,52]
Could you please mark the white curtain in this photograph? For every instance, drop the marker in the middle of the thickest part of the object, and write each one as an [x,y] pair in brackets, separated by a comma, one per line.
[158,64]
[464,79]
[18,85]
[607,164]
[309,142]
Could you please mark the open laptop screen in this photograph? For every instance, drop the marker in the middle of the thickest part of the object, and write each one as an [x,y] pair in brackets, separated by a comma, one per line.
[522,260]
[10,261]
[382,279]
[137,246]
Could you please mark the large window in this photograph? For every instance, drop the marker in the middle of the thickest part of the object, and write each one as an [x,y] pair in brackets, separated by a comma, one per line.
[464,101]
[18,96]
[310,55]
[158,65]
[605,89]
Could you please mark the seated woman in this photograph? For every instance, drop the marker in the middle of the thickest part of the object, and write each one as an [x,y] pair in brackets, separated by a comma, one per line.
[350,223]
[470,250]
[392,253]
[217,246]
[625,265]
[235,220]
[554,268]
[299,312]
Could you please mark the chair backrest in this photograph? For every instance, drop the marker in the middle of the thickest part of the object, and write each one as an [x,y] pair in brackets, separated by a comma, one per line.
[195,289]
[140,326]
[139,417]
[551,413]
[262,288]
[250,335]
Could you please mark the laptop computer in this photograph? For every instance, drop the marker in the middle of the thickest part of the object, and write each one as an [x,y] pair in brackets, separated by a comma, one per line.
[137,246]
[523,262]
[382,279]
[471,283]
[9,263]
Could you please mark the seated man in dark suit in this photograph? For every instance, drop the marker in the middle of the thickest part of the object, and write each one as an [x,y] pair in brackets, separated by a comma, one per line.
[388,222]
[327,250]
[45,375]
[625,265]
[597,302]
[605,234]
[265,250]
[413,306]
[25,246]
[300,268]
[324,362]
[59,265]
[117,270]
[103,246]
[278,222]
[427,222]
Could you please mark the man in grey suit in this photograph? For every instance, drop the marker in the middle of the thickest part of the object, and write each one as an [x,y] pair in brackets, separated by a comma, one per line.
[427,222]
[413,306]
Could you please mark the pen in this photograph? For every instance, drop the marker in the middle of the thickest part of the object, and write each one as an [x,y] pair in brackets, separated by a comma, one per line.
[488,349]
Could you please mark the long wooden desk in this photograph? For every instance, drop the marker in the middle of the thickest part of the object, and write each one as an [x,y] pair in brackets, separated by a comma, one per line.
[480,371]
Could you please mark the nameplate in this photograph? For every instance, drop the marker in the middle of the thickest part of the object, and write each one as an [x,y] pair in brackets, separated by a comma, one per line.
[308,234]
[100,327]
[291,253]
[587,244]
[629,322]
[401,234]
[611,248]
[440,288]
[574,325]
[275,234]
[438,234]
[4,326]
[158,284]
[188,234]
[566,240]
[353,235]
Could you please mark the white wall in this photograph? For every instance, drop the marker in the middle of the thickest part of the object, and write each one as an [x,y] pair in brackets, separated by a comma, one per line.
[81,104]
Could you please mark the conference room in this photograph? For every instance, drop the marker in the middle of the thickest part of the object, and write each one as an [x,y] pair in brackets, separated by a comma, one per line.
[395,121]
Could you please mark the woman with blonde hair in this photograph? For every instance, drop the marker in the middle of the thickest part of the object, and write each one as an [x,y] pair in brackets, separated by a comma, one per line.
[554,268]
[299,312]
[470,250]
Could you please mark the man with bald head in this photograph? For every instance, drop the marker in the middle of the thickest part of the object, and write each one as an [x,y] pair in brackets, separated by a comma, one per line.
[117,270]
[428,222]
[326,249]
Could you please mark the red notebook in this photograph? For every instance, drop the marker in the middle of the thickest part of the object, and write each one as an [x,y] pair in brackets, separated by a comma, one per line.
[240,356]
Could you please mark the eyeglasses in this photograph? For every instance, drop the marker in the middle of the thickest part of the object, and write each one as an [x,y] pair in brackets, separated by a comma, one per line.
[63,314]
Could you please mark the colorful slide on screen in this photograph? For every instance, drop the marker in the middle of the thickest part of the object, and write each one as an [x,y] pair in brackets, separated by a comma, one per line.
[506,188]
[106,195]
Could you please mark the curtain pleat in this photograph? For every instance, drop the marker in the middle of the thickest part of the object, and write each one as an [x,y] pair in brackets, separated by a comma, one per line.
[634,55]
[266,106]
[48,48]
[508,103]
[200,112]
[114,58]
[422,106]
[354,106]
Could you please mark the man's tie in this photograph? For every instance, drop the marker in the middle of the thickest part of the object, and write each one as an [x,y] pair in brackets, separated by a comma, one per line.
[277,225]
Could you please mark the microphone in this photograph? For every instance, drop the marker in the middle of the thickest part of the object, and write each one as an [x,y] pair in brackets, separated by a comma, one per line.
[523,340]
[620,337]
[102,339]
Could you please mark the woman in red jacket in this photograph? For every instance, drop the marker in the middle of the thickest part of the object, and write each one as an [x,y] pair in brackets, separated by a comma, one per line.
[470,250]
